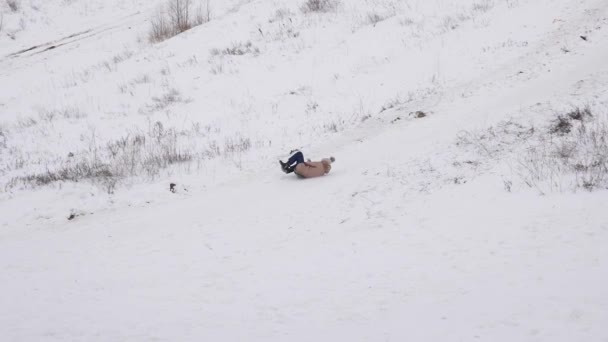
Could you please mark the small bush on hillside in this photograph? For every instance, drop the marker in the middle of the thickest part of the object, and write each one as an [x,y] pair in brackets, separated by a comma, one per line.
[571,153]
[176,17]
[319,6]
[578,158]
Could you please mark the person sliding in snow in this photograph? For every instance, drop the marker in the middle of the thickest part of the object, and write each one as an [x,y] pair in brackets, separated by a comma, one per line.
[306,169]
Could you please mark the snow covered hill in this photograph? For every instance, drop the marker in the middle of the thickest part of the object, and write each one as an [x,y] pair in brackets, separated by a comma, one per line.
[467,201]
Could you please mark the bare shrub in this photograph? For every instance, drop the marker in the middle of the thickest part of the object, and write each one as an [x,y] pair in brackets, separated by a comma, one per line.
[14,5]
[203,13]
[160,28]
[571,154]
[179,14]
[577,161]
[175,17]
[319,6]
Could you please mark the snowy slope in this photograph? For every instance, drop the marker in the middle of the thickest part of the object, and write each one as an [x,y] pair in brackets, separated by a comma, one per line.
[412,236]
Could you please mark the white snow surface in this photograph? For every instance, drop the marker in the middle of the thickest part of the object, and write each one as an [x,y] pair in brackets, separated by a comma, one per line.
[411,237]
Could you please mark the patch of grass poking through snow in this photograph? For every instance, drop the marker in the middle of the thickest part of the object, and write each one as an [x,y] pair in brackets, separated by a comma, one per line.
[483,6]
[563,123]
[576,148]
[319,6]
[220,60]
[237,49]
[112,64]
[141,153]
[159,103]
[68,113]
[374,18]
[570,154]
[280,15]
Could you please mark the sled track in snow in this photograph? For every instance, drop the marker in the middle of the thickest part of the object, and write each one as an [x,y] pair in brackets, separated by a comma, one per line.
[72,38]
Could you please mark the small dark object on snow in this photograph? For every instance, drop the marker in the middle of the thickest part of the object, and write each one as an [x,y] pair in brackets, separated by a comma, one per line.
[71,217]
[70,155]
[584,38]
[396,119]
[172,187]
[419,114]
[561,126]
[579,114]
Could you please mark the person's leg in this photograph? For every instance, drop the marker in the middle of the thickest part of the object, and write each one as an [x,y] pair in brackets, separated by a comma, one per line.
[296,158]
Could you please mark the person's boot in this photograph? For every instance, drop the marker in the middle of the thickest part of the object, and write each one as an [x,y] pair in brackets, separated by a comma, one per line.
[284,166]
